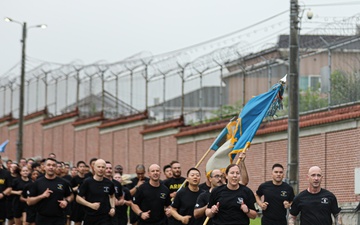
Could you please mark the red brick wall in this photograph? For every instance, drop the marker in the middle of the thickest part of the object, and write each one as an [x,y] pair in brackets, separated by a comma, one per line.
[121,149]
[335,152]
[168,150]
[37,131]
[81,147]
[342,156]
[135,149]
[106,147]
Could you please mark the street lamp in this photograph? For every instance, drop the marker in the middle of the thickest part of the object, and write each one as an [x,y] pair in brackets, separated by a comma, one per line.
[19,143]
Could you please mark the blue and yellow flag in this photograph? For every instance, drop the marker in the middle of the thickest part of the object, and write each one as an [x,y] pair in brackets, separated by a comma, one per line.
[3,146]
[237,135]
[223,144]
[252,116]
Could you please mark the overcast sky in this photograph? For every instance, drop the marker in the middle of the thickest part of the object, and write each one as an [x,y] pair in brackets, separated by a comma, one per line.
[111,30]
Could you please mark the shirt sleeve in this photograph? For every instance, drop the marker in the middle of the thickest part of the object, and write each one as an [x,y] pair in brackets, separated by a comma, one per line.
[33,190]
[294,209]
[201,201]
[83,188]
[177,203]
[259,191]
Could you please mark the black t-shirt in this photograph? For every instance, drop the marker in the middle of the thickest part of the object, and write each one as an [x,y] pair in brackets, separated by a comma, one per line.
[229,205]
[134,182]
[275,195]
[67,177]
[97,191]
[77,181]
[50,206]
[118,189]
[19,184]
[5,181]
[154,199]
[173,184]
[204,187]
[122,209]
[184,202]
[202,201]
[315,208]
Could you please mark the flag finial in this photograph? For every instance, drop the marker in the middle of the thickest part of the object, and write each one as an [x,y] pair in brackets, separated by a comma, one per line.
[283,80]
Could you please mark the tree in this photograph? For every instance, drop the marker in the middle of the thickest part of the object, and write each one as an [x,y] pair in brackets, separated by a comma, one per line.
[309,99]
[344,87]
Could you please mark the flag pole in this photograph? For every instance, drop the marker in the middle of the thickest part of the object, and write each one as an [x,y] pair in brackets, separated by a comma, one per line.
[202,158]
[244,151]
[206,220]
[196,166]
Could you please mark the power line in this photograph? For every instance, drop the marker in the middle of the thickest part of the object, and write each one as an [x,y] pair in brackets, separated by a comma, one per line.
[336,4]
[224,36]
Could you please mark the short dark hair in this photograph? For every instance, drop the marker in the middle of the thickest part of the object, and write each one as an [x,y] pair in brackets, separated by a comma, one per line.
[52,159]
[34,165]
[173,162]
[118,167]
[92,160]
[80,162]
[192,168]
[277,165]
[166,167]
[140,167]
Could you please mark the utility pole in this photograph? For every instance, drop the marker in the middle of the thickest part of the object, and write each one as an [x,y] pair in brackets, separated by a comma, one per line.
[19,143]
[293,89]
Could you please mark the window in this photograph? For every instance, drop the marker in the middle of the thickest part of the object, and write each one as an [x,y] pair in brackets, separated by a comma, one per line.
[311,81]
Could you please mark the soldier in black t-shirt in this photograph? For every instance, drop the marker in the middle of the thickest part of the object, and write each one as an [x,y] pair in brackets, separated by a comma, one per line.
[18,185]
[136,182]
[51,195]
[175,182]
[216,180]
[182,209]
[5,189]
[231,202]
[315,203]
[278,197]
[118,191]
[30,209]
[77,211]
[151,199]
[121,210]
[97,195]
[90,173]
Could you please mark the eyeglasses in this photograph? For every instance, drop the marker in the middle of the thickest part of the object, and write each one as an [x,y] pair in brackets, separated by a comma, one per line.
[219,176]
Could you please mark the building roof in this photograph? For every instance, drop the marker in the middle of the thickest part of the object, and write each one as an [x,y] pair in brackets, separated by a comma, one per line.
[92,104]
[210,97]
[317,41]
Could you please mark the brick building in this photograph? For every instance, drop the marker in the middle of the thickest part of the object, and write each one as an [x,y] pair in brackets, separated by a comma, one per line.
[328,138]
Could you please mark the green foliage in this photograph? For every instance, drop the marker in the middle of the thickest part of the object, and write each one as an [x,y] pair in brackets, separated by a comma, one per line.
[310,99]
[225,112]
[228,110]
[344,87]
